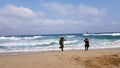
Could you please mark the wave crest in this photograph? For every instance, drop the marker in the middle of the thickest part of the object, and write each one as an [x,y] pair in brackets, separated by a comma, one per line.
[104,34]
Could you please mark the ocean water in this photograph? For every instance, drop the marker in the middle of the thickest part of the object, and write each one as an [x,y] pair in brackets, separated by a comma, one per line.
[38,43]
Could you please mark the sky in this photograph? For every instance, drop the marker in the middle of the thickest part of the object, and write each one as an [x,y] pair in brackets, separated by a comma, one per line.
[31,17]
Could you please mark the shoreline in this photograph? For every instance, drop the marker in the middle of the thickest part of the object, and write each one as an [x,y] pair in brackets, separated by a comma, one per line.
[97,58]
[38,52]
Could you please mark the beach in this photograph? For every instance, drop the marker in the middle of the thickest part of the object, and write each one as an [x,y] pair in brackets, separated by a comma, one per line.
[59,34]
[96,58]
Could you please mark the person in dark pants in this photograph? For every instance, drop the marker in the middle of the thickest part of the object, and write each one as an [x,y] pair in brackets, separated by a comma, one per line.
[61,42]
[86,43]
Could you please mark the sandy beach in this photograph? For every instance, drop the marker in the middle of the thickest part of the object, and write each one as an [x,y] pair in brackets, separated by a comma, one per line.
[102,58]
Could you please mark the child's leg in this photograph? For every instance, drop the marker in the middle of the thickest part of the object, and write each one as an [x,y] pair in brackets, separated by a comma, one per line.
[62,49]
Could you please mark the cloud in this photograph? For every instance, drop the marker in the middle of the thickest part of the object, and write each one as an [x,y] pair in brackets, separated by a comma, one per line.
[10,23]
[48,22]
[77,14]
[12,10]
[60,8]
[70,9]
[84,9]
[17,19]
[13,17]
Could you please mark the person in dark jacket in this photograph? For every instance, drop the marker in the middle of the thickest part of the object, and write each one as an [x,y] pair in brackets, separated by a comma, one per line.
[86,43]
[61,42]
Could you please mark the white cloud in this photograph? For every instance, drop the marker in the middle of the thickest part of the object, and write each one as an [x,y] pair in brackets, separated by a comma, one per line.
[60,22]
[22,18]
[48,22]
[69,9]
[13,17]
[66,9]
[9,23]
[60,8]
[84,9]
[22,12]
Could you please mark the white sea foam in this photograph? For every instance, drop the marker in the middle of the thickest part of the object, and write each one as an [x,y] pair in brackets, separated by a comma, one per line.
[29,43]
[24,43]
[72,36]
[37,37]
[51,43]
[19,38]
[68,42]
[109,34]
[34,37]
[9,38]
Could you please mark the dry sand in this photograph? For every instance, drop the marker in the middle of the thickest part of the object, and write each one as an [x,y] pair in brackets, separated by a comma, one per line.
[104,58]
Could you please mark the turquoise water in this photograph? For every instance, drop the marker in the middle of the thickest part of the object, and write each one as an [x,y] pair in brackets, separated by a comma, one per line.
[33,43]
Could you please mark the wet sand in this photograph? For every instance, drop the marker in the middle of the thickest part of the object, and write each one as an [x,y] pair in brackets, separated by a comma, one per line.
[101,58]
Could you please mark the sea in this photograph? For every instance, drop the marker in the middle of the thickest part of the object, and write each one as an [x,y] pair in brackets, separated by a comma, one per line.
[16,44]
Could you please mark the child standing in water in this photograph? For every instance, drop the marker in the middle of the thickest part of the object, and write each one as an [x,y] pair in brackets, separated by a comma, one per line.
[61,42]
[86,43]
